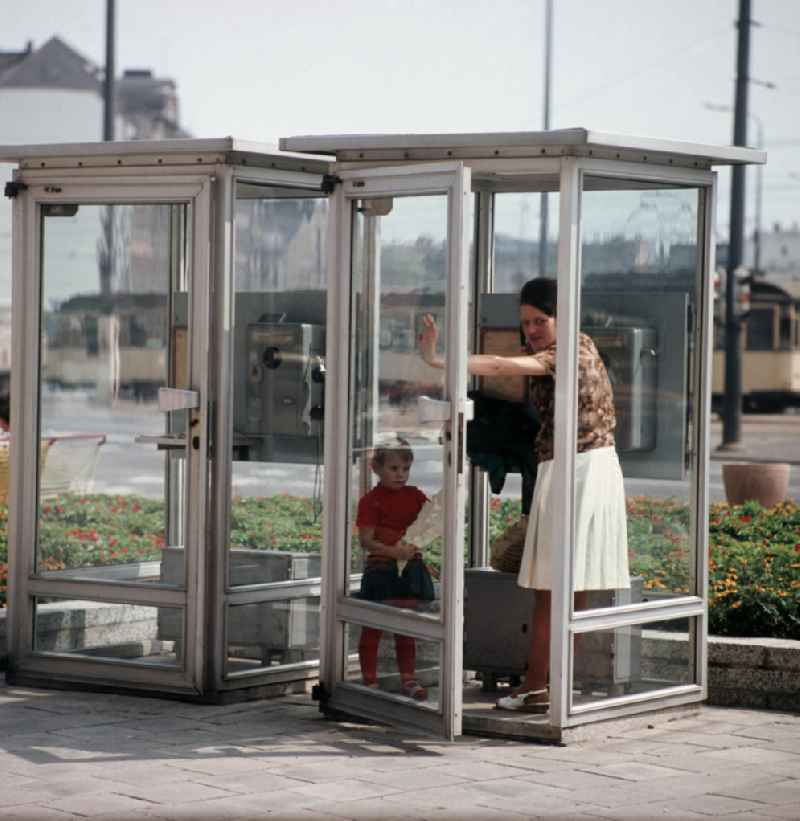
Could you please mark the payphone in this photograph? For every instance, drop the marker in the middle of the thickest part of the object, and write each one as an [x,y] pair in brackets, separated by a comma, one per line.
[284,391]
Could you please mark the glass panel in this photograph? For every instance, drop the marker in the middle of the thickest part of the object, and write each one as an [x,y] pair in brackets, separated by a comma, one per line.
[501,440]
[400,665]
[633,659]
[113,331]
[272,634]
[280,305]
[636,407]
[130,632]
[397,416]
[518,254]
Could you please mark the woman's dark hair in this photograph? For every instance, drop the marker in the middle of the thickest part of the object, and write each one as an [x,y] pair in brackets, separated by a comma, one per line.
[539,293]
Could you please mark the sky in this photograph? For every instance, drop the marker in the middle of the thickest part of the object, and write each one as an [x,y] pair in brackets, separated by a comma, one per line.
[261,70]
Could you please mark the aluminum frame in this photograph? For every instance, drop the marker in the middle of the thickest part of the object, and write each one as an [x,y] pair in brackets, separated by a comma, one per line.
[453,180]
[223,596]
[565,621]
[44,188]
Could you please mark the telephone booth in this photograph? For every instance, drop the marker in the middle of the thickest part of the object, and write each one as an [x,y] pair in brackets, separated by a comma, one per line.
[240,324]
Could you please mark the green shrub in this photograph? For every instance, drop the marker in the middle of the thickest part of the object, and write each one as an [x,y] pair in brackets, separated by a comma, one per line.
[754,561]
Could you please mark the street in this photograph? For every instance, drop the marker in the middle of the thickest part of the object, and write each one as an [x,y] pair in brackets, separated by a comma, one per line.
[126,467]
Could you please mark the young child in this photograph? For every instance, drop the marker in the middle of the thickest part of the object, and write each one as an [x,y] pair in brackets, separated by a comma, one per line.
[384,515]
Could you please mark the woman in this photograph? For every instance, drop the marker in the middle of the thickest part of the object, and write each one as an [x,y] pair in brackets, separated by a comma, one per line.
[600,554]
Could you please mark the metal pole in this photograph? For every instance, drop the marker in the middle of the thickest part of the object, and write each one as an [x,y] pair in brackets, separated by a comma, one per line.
[548,62]
[732,407]
[108,86]
[759,200]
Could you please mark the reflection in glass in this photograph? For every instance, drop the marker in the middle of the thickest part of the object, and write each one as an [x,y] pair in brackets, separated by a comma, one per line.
[279,315]
[272,634]
[632,659]
[113,331]
[103,630]
[518,256]
[639,307]
[397,418]
[399,665]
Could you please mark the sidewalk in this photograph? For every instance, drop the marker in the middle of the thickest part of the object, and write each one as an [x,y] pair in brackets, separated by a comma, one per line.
[764,438]
[70,755]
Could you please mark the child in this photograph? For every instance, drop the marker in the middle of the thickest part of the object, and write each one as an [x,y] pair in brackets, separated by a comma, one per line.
[384,515]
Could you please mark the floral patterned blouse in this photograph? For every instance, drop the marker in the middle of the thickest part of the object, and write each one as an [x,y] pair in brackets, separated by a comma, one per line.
[596,416]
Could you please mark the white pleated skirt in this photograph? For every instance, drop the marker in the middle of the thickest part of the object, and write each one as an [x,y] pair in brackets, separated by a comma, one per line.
[600,555]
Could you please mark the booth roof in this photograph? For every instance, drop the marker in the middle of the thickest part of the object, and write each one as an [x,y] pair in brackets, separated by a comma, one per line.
[222,149]
[562,142]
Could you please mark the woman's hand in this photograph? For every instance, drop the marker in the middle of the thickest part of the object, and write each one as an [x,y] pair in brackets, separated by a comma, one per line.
[428,339]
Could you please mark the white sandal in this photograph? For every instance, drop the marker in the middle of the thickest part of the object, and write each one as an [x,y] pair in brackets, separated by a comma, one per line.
[527,701]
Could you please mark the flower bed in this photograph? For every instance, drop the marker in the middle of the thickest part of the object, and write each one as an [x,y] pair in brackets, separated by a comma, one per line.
[754,563]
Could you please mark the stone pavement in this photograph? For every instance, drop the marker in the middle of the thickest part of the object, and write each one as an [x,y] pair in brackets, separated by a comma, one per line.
[70,755]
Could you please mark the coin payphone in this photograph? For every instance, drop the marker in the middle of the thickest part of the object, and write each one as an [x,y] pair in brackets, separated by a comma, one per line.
[285,390]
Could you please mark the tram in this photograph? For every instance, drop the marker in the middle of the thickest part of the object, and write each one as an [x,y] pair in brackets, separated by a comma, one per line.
[770,349]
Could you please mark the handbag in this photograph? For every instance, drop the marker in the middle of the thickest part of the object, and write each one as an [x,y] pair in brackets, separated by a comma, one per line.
[507,549]
[417,579]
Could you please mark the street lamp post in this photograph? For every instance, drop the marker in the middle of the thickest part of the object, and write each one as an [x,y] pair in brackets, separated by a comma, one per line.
[548,83]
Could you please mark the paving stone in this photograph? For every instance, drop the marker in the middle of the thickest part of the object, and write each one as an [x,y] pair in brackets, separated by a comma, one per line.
[575,779]
[137,773]
[247,783]
[646,811]
[413,779]
[717,805]
[175,792]
[751,755]
[344,790]
[37,812]
[636,771]
[475,771]
[778,792]
[755,816]
[585,756]
[628,793]
[787,811]
[721,741]
[213,765]
[109,803]
[370,809]
[284,803]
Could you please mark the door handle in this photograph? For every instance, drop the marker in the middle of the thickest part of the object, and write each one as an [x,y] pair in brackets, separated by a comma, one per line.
[163,441]
[173,399]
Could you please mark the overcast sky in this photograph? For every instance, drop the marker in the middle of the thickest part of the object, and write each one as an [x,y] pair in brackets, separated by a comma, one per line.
[260,70]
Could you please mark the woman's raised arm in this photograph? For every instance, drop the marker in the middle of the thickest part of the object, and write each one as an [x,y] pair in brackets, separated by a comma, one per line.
[477,364]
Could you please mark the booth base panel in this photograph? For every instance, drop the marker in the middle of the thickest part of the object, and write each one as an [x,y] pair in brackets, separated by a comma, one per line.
[481,718]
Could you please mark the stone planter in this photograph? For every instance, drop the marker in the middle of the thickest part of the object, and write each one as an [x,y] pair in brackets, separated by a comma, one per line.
[765,483]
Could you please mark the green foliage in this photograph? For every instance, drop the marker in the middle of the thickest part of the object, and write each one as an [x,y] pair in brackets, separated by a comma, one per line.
[754,570]
[754,553]
[280,522]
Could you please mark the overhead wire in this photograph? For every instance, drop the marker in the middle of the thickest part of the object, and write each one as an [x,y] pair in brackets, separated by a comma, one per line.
[654,66]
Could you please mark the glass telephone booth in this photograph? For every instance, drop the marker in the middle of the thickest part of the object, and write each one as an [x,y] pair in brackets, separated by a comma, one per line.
[241,326]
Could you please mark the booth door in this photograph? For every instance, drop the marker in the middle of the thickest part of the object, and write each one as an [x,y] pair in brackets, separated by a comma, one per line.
[110,419]
[393,641]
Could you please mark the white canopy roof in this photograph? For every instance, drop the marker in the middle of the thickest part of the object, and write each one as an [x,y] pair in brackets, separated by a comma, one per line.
[162,152]
[563,142]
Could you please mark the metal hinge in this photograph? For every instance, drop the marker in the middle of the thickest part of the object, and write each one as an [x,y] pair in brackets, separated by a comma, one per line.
[13,188]
[329,183]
